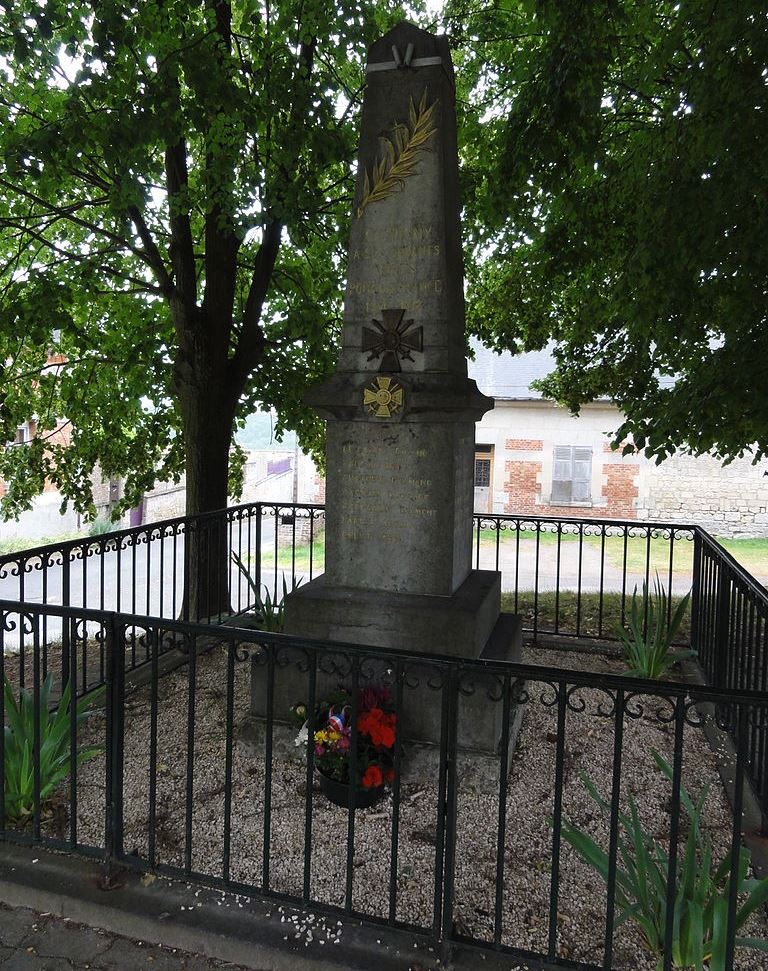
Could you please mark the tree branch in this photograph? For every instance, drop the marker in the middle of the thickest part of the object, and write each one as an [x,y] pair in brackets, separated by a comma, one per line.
[150,252]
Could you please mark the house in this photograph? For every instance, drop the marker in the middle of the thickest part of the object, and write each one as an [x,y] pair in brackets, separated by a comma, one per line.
[533,457]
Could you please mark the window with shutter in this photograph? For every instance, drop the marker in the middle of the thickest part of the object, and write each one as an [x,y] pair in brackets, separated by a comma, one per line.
[571,474]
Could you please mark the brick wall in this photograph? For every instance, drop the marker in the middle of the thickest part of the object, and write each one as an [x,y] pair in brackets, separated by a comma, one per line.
[524,444]
[521,486]
[621,489]
[525,491]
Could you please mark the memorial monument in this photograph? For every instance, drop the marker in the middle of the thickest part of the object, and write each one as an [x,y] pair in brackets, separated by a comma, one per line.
[400,408]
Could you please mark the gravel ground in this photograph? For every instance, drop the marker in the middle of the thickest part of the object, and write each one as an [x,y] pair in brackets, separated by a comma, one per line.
[527,848]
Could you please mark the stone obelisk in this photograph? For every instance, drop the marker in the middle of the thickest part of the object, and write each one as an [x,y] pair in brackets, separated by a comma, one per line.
[400,408]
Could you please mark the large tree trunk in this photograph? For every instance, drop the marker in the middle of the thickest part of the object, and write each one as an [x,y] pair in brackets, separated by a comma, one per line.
[208,418]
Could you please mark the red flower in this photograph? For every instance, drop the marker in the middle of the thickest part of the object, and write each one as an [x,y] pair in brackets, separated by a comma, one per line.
[372,778]
[379,726]
[389,774]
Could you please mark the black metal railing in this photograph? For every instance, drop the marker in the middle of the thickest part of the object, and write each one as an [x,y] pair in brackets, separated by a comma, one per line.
[567,577]
[195,774]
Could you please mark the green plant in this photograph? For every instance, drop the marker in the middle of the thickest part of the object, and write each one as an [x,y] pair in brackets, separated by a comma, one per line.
[100,526]
[271,611]
[652,629]
[55,748]
[700,916]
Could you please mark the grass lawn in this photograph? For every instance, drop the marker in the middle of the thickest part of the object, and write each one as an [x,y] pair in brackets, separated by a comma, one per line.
[752,554]
[561,616]
[285,559]
[19,544]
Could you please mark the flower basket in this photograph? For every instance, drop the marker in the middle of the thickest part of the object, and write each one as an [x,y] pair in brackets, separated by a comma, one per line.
[338,792]
[332,742]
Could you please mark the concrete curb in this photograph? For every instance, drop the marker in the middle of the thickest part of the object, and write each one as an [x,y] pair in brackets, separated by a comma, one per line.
[262,936]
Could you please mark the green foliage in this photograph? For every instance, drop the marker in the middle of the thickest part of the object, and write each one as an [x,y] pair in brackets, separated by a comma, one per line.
[100,526]
[700,914]
[55,742]
[653,627]
[174,200]
[271,611]
[617,206]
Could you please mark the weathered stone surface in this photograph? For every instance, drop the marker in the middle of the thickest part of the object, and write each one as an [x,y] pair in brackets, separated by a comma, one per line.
[400,407]
[399,506]
[459,625]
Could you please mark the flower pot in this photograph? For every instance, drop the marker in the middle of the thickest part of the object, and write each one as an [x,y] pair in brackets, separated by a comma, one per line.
[338,793]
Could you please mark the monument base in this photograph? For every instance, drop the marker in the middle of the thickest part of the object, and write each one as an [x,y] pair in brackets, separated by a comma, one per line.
[458,625]
[465,625]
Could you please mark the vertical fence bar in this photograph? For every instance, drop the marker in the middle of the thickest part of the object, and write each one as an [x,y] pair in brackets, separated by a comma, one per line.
[445,744]
[277,551]
[155,637]
[601,596]
[670,573]
[352,785]
[311,541]
[161,585]
[647,579]
[113,836]
[269,728]
[696,598]
[502,818]
[33,619]
[674,827]
[228,744]
[739,717]
[579,580]
[399,678]
[450,804]
[65,646]
[618,740]
[3,622]
[536,583]
[22,649]
[311,703]
[624,576]
[190,780]
[557,577]
[175,567]
[720,665]
[70,663]
[557,820]
[257,549]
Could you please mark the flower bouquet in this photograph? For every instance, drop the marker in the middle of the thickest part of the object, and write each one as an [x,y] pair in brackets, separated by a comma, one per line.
[375,743]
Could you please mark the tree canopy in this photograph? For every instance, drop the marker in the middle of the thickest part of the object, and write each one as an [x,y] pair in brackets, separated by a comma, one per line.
[617,199]
[175,184]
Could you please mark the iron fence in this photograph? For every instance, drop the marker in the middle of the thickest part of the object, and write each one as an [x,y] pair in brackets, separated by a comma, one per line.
[479,849]
[568,577]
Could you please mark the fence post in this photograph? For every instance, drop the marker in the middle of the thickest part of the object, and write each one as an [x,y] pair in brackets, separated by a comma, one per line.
[115,698]
[695,592]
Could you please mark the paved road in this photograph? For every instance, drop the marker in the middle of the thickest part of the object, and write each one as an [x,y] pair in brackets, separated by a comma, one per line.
[40,942]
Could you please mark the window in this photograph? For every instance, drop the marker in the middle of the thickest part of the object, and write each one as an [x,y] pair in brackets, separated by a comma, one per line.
[482,473]
[572,474]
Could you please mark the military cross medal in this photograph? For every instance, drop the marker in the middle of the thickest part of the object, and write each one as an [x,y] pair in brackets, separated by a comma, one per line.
[393,340]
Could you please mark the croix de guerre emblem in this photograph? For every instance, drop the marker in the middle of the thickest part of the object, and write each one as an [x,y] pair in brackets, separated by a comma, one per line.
[393,340]
[383,397]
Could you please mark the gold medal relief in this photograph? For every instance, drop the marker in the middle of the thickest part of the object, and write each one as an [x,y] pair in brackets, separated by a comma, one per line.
[383,397]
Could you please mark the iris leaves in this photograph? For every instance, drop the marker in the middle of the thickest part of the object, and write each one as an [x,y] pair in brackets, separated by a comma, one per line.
[700,915]
[55,745]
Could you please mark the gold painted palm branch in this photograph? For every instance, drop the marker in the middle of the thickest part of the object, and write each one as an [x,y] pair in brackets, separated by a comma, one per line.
[401,152]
